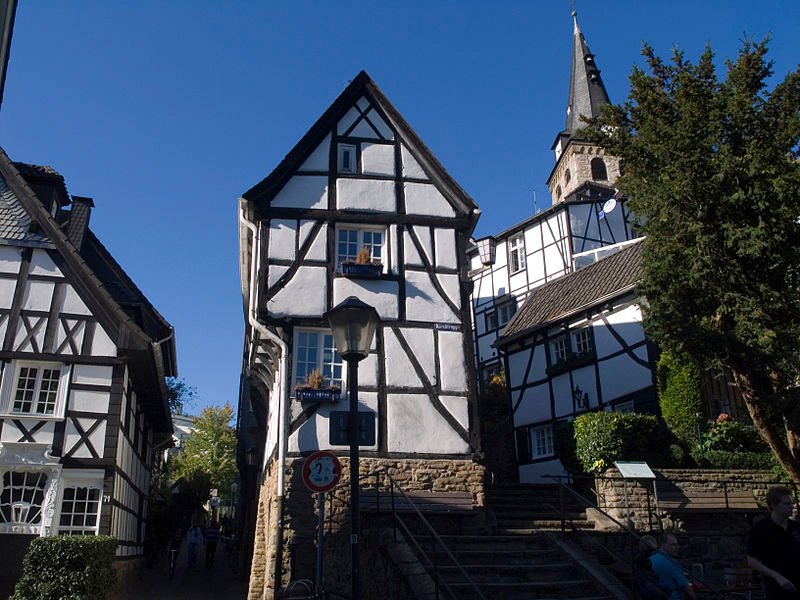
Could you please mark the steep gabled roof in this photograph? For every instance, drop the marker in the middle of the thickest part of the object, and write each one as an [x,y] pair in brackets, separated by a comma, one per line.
[586,90]
[610,277]
[98,278]
[362,85]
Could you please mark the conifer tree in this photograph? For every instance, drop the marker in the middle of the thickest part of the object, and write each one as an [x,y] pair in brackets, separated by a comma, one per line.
[711,168]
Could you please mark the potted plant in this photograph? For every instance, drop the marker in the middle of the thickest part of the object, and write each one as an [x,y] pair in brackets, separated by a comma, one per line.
[313,389]
[362,266]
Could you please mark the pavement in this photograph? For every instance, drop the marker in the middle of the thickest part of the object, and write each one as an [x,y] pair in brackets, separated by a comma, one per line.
[220,582]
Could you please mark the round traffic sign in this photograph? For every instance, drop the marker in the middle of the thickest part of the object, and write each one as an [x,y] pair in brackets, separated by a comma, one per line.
[321,471]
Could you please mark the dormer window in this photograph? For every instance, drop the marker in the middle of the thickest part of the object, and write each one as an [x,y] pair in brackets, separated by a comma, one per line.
[347,158]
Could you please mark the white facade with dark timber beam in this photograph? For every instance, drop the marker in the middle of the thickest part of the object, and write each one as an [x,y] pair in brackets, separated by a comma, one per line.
[538,317]
[82,367]
[359,182]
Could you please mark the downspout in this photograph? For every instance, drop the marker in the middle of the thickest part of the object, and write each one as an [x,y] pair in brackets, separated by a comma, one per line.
[252,317]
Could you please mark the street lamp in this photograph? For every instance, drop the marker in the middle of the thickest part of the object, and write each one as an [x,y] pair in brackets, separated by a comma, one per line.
[487,248]
[353,324]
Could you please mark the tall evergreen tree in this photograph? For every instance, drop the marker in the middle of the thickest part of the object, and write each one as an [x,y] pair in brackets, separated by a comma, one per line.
[712,169]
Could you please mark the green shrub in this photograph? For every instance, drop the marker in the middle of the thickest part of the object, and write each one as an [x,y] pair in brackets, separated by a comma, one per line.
[680,397]
[68,568]
[727,435]
[678,457]
[604,437]
[564,446]
[721,459]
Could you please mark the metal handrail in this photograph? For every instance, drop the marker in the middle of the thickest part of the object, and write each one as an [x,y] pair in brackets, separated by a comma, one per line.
[630,532]
[431,563]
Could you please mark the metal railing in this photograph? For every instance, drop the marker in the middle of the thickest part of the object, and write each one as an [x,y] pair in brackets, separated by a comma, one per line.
[429,557]
[633,537]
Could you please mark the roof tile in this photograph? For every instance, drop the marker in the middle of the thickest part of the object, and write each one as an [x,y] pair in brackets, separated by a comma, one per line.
[564,296]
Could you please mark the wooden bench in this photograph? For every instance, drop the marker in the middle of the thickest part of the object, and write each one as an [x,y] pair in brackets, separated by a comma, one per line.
[428,503]
[707,501]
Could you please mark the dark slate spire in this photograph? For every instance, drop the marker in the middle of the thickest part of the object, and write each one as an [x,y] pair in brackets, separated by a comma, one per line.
[586,90]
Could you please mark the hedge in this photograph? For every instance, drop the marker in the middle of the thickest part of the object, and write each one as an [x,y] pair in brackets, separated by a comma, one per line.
[604,437]
[680,397]
[721,459]
[68,568]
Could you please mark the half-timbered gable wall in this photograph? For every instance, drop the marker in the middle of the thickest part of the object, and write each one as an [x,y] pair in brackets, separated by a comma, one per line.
[358,208]
[547,246]
[51,338]
[362,187]
[592,356]
[75,439]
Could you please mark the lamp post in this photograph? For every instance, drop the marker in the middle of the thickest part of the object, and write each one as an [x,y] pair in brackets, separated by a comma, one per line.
[487,247]
[353,324]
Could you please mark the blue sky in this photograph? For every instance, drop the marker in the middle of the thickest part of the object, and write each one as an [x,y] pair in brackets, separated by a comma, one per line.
[166,112]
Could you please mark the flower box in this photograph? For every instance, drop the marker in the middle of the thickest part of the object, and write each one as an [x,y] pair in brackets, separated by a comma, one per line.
[363,270]
[318,395]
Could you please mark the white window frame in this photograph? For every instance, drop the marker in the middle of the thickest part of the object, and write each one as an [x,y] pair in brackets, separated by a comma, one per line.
[343,150]
[541,441]
[320,362]
[491,320]
[516,253]
[582,341]
[559,349]
[505,312]
[88,479]
[21,507]
[10,383]
[363,235]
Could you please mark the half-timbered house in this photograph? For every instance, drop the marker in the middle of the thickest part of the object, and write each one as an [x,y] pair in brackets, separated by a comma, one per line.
[548,311]
[359,207]
[576,345]
[82,366]
[586,217]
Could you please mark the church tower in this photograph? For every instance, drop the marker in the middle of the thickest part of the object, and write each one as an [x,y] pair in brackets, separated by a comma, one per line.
[582,168]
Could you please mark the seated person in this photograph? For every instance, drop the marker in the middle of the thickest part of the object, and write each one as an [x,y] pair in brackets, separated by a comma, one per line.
[670,574]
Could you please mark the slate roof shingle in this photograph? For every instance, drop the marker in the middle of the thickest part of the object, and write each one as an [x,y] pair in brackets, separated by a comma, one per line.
[15,222]
[557,299]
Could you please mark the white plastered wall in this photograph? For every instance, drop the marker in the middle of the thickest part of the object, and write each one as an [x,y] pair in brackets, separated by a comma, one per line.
[303,295]
[425,199]
[415,426]
[423,301]
[381,294]
[365,194]
[303,191]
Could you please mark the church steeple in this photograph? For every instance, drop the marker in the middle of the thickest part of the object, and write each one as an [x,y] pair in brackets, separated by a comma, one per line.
[577,161]
[586,90]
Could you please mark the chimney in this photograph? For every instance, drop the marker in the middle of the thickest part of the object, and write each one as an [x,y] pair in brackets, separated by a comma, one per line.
[79,220]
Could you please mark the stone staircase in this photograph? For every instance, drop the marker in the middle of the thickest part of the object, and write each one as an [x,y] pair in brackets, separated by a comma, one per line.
[515,567]
[518,508]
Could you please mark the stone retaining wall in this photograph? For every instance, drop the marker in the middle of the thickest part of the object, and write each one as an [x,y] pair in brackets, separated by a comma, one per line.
[611,491]
[300,522]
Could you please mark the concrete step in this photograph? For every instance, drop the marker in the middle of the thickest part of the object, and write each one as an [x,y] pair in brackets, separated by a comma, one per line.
[516,566]
[572,589]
